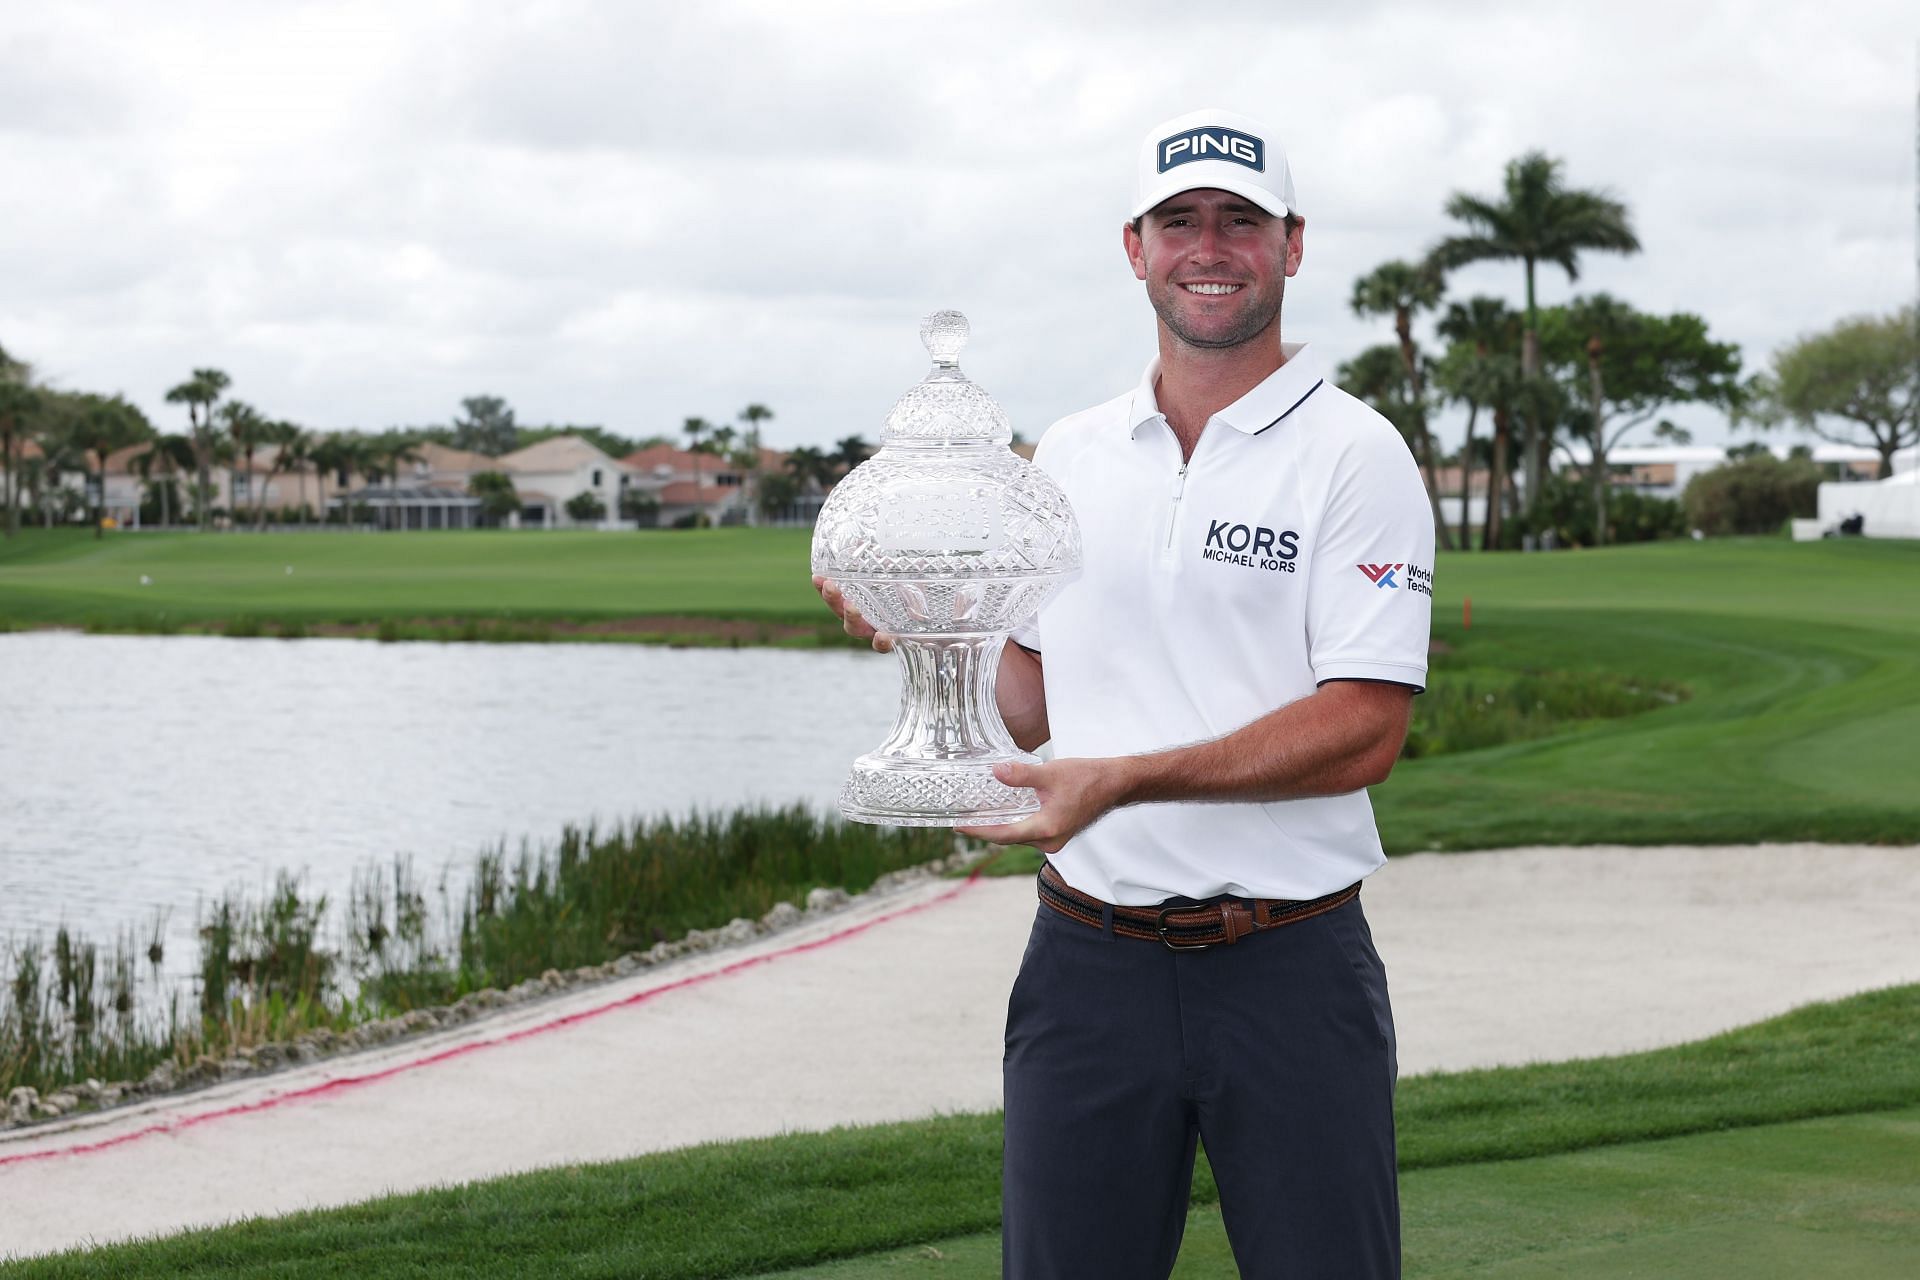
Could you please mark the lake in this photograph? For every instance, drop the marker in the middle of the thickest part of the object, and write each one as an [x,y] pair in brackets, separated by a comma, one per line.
[142,772]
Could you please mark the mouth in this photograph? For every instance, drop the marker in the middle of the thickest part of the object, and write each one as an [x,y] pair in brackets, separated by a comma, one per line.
[1212,289]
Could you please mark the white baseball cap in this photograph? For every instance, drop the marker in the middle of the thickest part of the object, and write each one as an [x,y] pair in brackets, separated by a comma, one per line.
[1214,148]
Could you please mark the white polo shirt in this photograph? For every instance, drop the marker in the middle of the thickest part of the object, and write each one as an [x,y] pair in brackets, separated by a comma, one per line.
[1294,548]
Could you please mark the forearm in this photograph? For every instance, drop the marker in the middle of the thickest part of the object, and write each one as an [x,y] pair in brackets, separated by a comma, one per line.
[1342,737]
[1021,694]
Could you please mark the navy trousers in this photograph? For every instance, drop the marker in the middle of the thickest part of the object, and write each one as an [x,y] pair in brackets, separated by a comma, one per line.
[1277,1052]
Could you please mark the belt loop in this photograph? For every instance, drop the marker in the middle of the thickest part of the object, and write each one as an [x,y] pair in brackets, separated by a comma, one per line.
[1106,920]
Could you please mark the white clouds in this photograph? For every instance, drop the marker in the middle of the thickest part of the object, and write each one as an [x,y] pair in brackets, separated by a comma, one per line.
[632,213]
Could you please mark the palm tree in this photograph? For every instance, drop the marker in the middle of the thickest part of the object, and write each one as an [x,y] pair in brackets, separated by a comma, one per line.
[1483,333]
[294,456]
[290,453]
[695,429]
[248,430]
[748,459]
[169,455]
[812,468]
[385,455]
[104,424]
[18,403]
[1377,376]
[1537,219]
[200,393]
[1399,289]
[334,455]
[852,451]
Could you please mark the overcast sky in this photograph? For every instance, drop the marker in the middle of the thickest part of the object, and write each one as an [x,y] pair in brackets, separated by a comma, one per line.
[626,214]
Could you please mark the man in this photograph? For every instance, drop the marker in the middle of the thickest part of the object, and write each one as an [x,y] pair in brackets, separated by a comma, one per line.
[1234,666]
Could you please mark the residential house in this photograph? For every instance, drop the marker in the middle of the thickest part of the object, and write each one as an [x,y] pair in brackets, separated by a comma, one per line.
[551,473]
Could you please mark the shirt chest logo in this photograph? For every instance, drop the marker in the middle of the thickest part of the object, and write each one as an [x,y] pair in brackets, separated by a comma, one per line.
[1251,546]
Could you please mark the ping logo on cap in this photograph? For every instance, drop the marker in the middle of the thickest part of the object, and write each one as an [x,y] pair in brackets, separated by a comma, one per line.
[1211,143]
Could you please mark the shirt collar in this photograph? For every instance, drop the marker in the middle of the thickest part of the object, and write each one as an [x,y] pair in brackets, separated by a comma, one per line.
[1276,396]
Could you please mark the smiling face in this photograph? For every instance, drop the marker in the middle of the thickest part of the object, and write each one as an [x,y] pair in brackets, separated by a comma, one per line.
[1215,265]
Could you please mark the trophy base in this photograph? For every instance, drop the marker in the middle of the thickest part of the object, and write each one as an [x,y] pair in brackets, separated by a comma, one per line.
[897,793]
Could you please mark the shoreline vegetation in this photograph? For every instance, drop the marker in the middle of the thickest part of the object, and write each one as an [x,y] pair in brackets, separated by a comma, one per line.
[290,978]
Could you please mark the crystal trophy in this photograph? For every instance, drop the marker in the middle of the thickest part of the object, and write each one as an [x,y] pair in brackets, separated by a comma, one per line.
[945,540]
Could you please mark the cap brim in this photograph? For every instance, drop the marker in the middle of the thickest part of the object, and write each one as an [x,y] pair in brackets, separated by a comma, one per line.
[1225,178]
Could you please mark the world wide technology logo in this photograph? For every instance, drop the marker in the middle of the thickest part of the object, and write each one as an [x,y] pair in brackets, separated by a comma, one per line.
[1382,576]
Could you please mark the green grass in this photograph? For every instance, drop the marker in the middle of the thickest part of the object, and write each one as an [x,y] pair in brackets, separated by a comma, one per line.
[427,583]
[1803,721]
[1499,1141]
[1832,1198]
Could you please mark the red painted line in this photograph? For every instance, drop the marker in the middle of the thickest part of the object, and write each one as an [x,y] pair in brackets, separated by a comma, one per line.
[345,1083]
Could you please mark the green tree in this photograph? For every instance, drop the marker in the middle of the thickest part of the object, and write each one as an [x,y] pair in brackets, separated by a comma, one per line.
[777,491]
[1399,289]
[1482,369]
[336,455]
[814,469]
[1377,376]
[168,457]
[56,428]
[697,429]
[1628,367]
[747,458]
[1858,383]
[1536,219]
[200,393]
[1752,495]
[386,454]
[103,424]
[585,507]
[852,451]
[19,401]
[290,448]
[246,430]
[498,500]
[488,427]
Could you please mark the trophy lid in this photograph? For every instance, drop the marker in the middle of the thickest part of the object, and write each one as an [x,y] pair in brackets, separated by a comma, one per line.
[946,407]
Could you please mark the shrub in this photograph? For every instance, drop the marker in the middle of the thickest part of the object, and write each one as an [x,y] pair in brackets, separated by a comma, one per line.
[1566,507]
[585,507]
[1752,495]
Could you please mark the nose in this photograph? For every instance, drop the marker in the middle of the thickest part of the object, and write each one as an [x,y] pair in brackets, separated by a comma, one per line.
[1206,246]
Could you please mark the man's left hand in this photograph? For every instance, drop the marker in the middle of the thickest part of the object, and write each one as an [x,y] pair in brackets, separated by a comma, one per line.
[1073,794]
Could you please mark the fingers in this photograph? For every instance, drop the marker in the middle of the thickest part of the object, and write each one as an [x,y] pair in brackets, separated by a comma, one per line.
[851,620]
[1018,774]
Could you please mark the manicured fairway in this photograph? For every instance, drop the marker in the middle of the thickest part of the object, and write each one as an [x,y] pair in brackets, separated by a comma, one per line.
[199,580]
[1803,665]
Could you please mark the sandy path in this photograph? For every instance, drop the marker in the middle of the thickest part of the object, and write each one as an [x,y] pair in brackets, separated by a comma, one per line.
[1493,957]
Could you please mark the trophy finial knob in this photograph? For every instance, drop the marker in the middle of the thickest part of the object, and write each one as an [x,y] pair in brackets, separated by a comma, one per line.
[944,333]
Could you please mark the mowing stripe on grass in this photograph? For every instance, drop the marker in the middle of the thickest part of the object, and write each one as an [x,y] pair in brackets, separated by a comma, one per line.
[344,1083]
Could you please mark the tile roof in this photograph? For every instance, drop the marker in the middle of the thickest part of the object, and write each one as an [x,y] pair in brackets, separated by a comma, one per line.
[561,453]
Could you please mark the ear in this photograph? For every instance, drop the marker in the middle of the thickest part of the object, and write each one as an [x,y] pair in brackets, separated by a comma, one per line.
[1136,250]
[1296,245]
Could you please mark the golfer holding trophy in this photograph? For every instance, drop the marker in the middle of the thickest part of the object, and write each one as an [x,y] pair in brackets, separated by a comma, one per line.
[1231,564]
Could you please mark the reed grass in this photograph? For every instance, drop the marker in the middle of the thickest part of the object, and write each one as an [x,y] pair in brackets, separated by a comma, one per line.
[273,968]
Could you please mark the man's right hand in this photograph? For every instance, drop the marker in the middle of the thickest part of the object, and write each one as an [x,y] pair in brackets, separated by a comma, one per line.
[850,618]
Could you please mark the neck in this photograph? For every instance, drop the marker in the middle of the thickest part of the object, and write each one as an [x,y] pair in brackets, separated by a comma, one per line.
[1197,382]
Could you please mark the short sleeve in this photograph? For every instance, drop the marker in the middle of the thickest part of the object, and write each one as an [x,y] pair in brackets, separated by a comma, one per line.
[1370,593]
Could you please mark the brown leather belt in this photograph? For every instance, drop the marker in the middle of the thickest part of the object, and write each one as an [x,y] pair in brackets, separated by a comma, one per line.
[1187,928]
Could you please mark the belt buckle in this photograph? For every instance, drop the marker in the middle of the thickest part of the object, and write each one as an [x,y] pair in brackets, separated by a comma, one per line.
[1160,927]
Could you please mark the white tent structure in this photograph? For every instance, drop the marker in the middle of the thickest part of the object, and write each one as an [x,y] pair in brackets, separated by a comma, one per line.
[1889,508]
